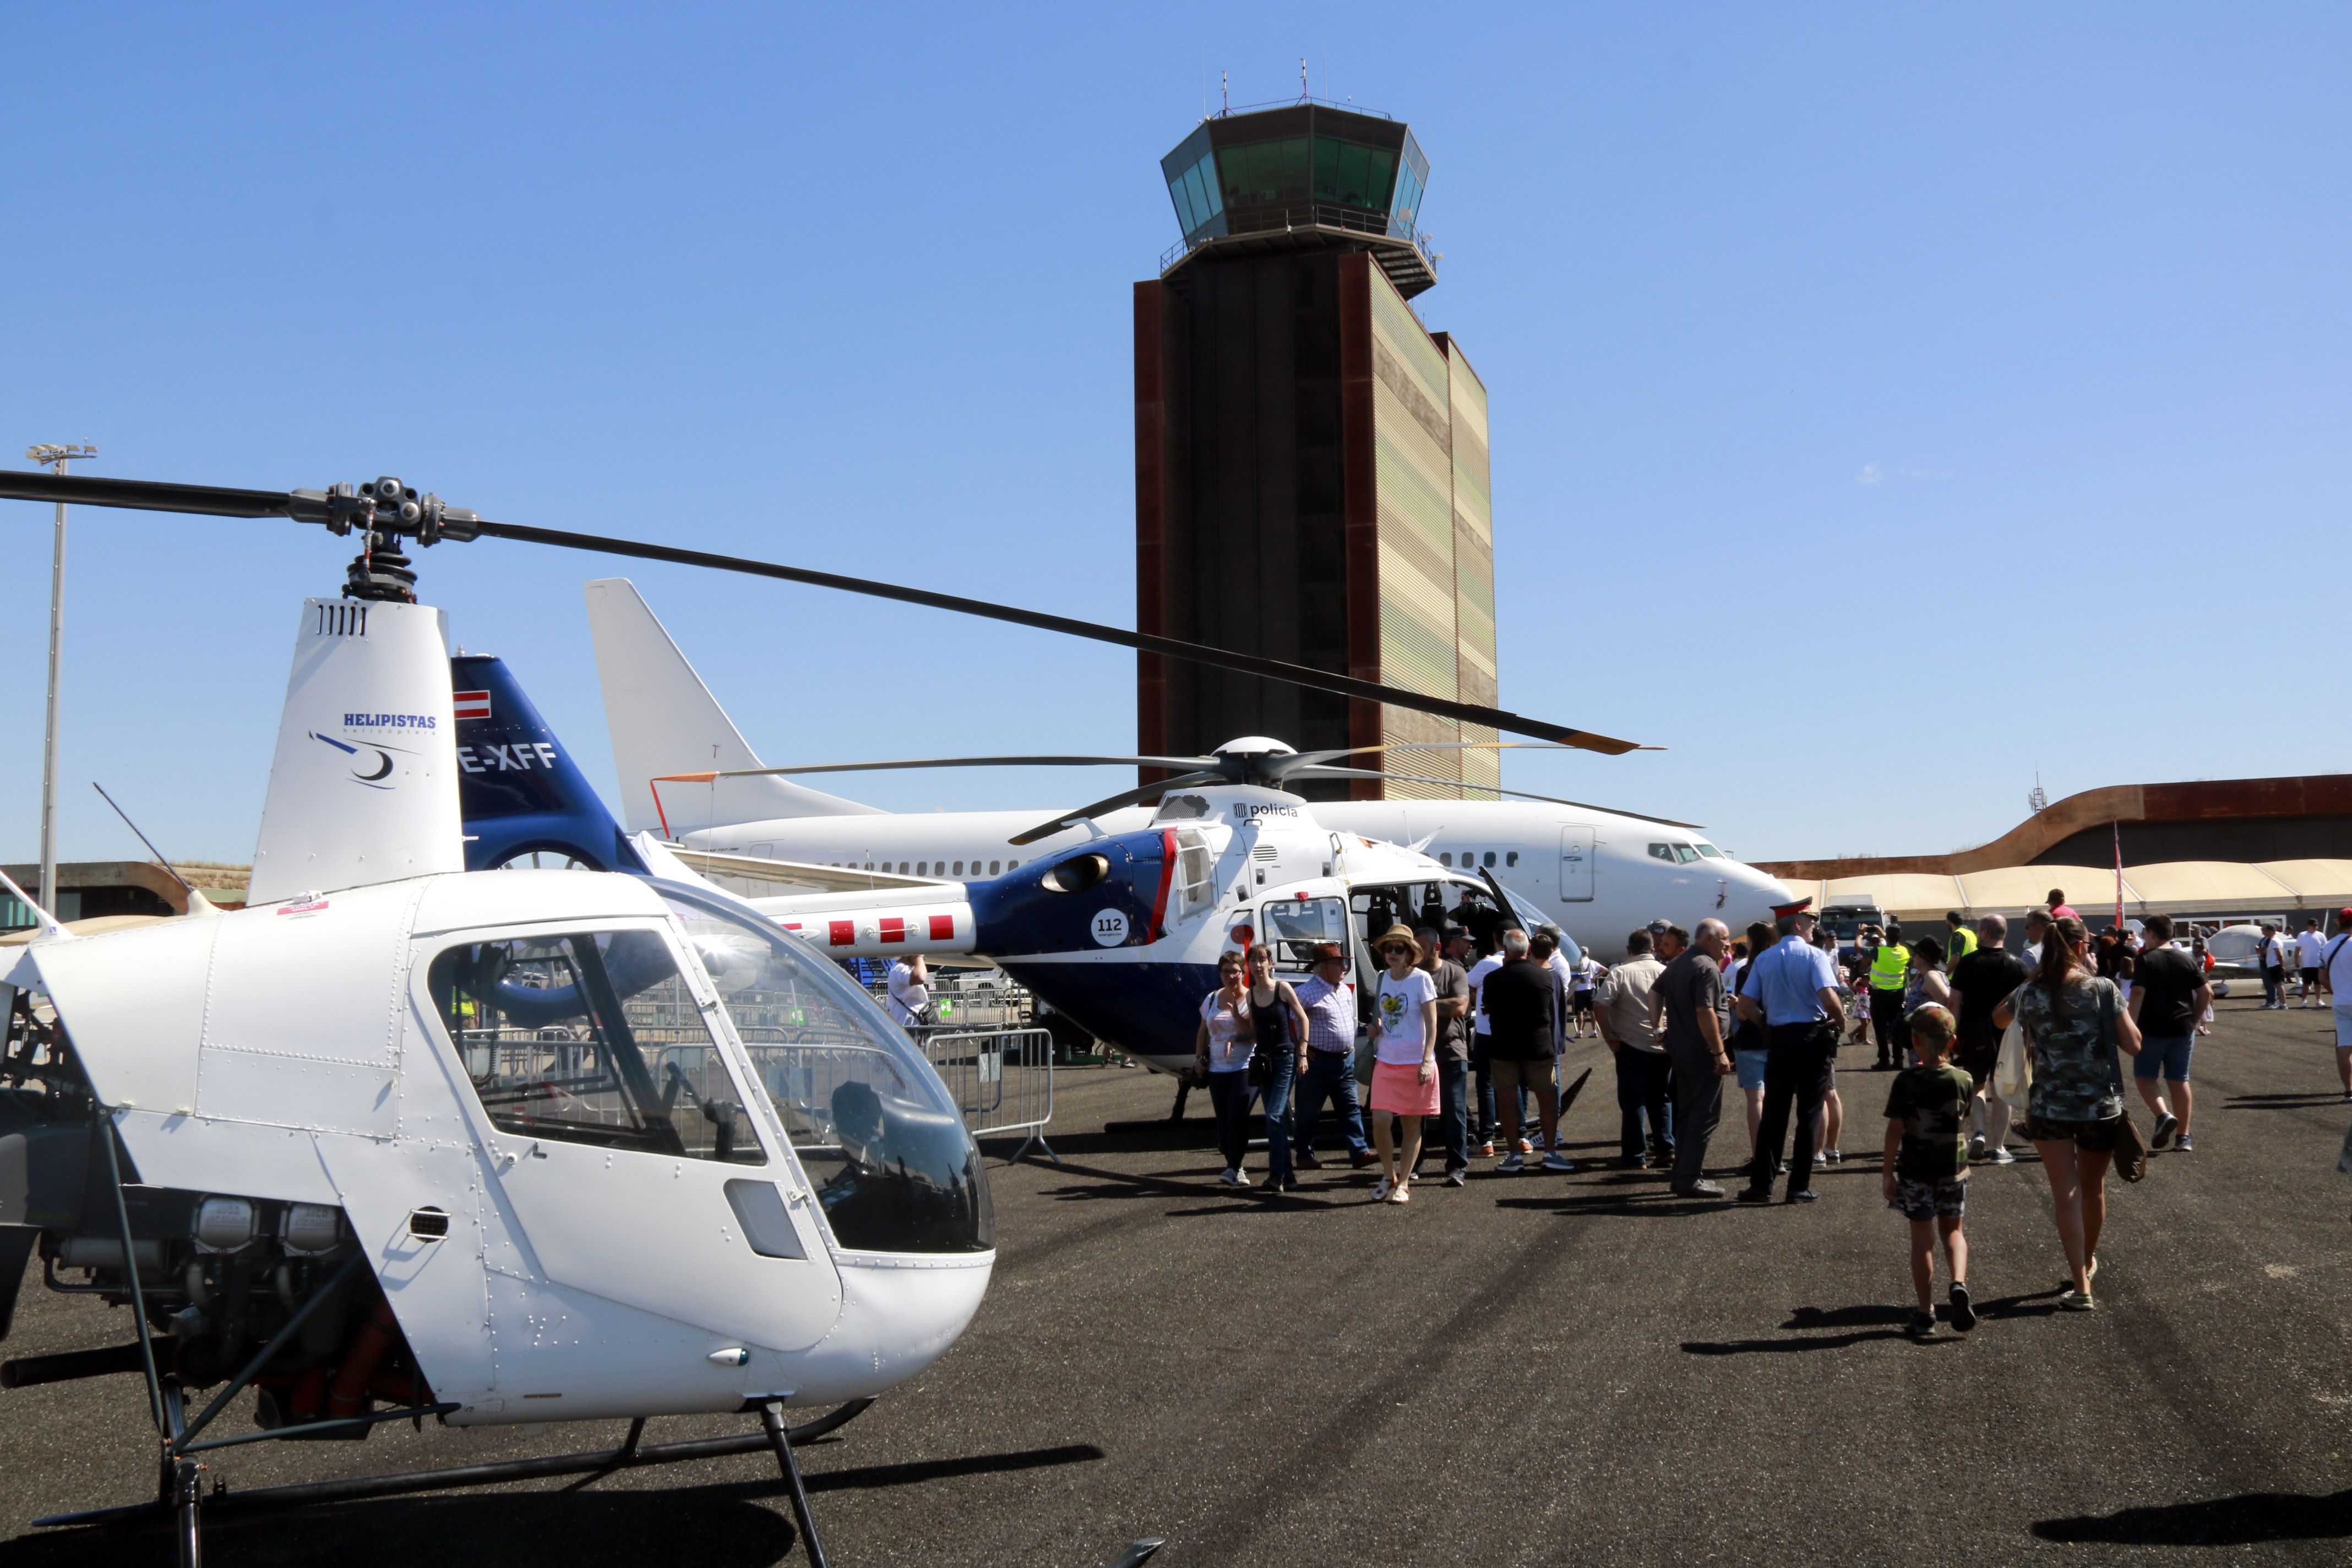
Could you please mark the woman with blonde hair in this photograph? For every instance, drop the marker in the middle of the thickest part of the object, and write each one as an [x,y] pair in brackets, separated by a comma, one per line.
[2075,1022]
[1404,1066]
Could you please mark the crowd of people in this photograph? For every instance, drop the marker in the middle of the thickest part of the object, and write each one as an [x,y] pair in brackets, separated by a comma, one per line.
[1473,1040]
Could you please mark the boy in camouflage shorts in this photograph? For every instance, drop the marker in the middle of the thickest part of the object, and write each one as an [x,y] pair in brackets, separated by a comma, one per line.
[1928,1164]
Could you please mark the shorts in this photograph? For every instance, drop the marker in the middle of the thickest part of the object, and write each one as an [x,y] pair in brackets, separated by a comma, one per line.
[1751,1067]
[2310,978]
[1397,1089]
[1977,1059]
[1923,1201]
[1508,1075]
[2168,1055]
[2343,1027]
[1584,1000]
[2089,1136]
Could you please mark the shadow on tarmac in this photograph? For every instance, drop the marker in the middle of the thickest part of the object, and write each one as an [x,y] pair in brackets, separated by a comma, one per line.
[560,1527]
[2243,1520]
[1873,1321]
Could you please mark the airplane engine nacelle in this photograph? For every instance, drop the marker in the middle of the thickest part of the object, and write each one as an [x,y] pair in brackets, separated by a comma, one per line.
[1110,893]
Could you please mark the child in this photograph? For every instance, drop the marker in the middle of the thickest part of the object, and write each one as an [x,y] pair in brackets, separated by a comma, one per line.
[1928,1164]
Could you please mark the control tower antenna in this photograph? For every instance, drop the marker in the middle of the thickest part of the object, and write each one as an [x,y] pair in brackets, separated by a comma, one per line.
[54,459]
[1226,92]
[1306,93]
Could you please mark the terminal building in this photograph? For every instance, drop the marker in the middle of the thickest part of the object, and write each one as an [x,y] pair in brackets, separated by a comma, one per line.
[1311,470]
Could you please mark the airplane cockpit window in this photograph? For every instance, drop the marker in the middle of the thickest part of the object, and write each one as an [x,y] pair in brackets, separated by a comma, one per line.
[1181,808]
[590,1038]
[1663,852]
[1712,853]
[882,1141]
[1684,854]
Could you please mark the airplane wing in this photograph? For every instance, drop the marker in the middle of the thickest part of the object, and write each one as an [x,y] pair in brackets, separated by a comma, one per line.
[782,875]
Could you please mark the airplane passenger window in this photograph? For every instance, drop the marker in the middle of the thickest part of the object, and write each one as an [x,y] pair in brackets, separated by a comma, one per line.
[590,1038]
[993,869]
[922,869]
[1511,857]
[902,868]
[1490,857]
[1446,857]
[1663,852]
[959,871]
[882,1141]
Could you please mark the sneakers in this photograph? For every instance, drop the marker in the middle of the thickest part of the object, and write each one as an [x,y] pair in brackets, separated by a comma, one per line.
[1976,1147]
[1699,1190]
[1235,1177]
[1828,1157]
[2000,1157]
[1513,1162]
[2183,1146]
[1381,1190]
[2076,1301]
[1922,1326]
[1487,1149]
[1556,1161]
[1963,1312]
[2166,1123]
[1458,1176]
[1526,1147]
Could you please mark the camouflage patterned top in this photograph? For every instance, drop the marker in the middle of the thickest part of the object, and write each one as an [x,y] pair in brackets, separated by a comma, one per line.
[2074,1064]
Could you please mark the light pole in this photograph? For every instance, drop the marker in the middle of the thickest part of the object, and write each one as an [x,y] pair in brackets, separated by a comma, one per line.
[54,459]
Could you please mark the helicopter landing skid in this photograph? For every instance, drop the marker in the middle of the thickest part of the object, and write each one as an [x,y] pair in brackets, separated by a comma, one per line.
[185,1502]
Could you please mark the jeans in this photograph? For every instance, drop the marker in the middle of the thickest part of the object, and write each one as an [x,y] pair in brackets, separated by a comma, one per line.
[1698,1106]
[1329,1075]
[1481,1067]
[2274,987]
[1454,1111]
[1796,1076]
[1277,1094]
[1231,1093]
[1642,1086]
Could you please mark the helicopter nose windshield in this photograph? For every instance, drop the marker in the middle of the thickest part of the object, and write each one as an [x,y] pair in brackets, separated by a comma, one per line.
[883,1143]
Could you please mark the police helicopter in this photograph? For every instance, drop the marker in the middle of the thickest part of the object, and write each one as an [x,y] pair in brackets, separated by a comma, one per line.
[403,1138]
[1120,932]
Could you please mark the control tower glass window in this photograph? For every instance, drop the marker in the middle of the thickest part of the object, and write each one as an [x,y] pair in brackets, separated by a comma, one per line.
[1351,174]
[1263,173]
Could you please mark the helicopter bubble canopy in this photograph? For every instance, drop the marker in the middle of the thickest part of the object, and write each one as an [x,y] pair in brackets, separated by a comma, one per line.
[885,1147]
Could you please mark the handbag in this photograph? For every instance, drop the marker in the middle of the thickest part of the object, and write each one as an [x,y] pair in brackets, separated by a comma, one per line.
[2012,1070]
[2131,1148]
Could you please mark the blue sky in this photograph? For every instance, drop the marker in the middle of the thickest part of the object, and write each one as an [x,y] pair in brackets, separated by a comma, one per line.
[1887,401]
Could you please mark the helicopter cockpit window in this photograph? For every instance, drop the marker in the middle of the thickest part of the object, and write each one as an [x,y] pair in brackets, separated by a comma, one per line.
[591,1038]
[883,1142]
[1294,926]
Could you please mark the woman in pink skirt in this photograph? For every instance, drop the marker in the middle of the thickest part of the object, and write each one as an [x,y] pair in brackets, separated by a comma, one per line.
[1404,1069]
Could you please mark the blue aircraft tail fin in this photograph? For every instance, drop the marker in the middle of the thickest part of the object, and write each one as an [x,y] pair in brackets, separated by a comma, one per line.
[519,792]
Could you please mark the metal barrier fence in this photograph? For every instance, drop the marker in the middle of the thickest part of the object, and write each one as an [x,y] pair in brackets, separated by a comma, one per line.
[1002,1079]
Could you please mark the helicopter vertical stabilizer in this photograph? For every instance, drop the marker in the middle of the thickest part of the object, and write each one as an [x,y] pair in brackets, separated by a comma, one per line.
[663,720]
[363,786]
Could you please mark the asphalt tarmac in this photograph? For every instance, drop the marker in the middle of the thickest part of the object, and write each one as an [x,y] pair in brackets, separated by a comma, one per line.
[1577,1368]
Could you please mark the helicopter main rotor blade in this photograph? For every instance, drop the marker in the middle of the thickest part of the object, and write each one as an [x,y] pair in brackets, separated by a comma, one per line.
[1282,766]
[147,495]
[1329,773]
[1112,803]
[1185,764]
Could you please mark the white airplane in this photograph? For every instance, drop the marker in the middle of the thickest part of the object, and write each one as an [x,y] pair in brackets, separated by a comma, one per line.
[1598,874]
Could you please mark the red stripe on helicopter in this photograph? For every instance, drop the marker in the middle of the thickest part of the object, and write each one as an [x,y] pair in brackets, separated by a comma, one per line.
[1167,880]
[894,929]
[943,928]
[842,933]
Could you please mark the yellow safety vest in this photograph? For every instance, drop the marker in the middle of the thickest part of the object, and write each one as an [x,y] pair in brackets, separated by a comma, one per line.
[1964,942]
[1888,965]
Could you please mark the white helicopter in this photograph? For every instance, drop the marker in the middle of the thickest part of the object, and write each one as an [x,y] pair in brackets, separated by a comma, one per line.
[490,1148]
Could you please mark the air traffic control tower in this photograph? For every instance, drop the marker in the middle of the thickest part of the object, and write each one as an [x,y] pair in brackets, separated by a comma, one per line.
[1310,461]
